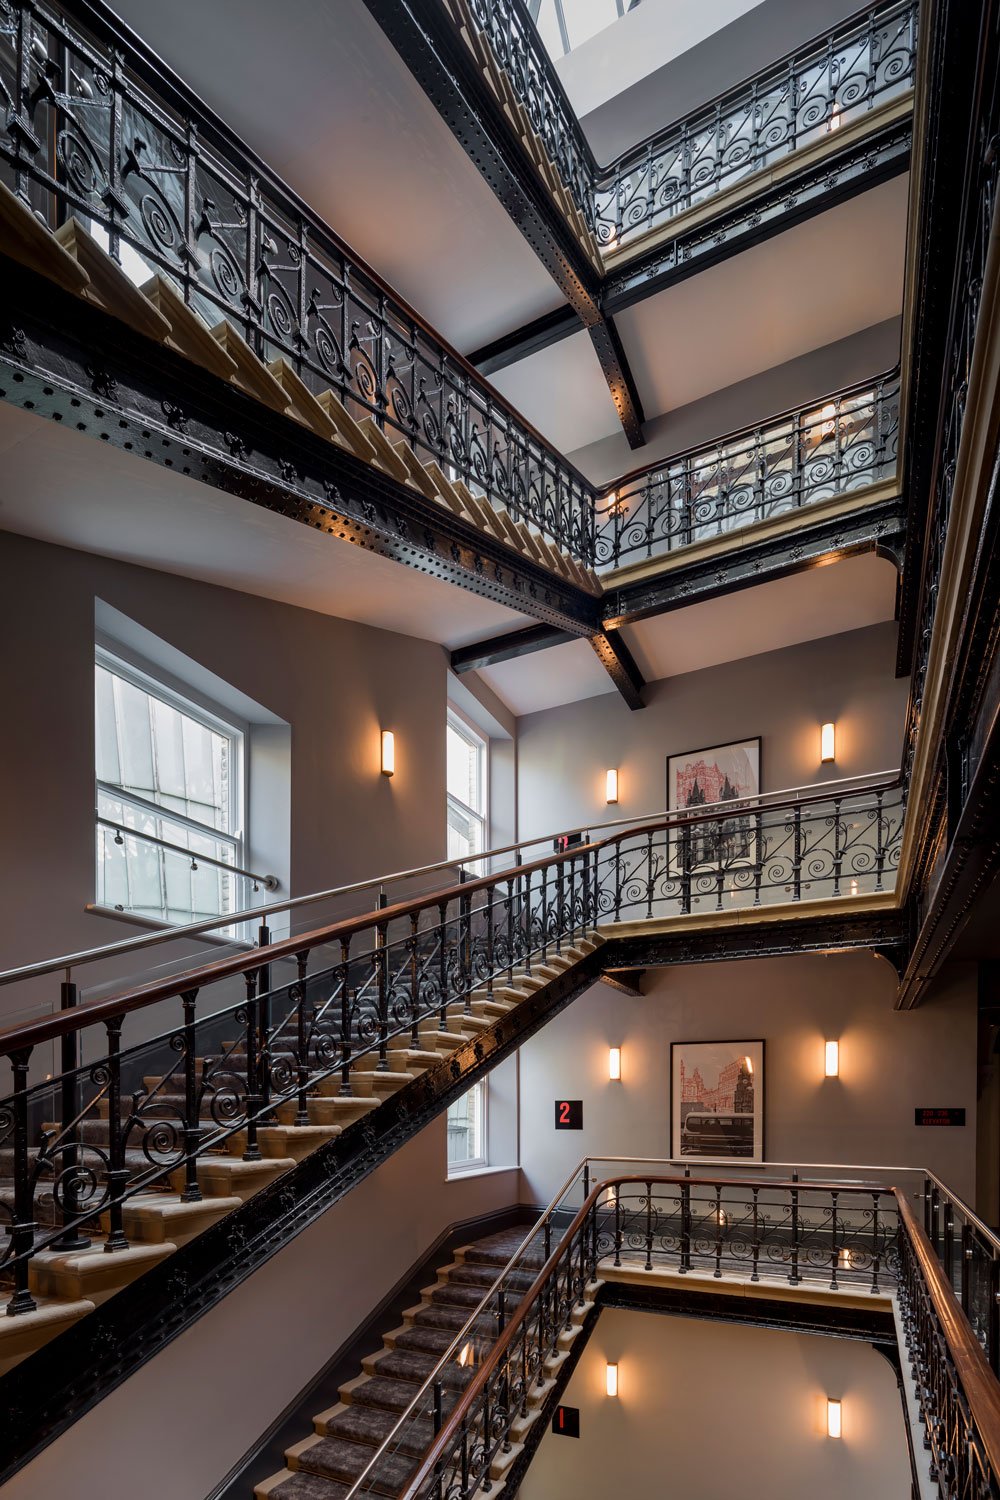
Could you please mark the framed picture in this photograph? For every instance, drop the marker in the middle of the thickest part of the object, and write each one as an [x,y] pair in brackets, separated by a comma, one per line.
[717,1101]
[722,773]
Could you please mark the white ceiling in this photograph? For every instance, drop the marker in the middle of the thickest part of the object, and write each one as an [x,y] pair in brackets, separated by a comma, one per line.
[818,282]
[563,391]
[324,99]
[63,487]
[824,601]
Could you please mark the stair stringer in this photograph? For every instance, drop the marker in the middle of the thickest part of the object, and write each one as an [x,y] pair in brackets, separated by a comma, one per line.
[50,1390]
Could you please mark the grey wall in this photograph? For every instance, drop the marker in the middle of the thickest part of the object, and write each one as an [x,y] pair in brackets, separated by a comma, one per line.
[335,682]
[678,1376]
[184,1419]
[746,45]
[795,383]
[783,696]
[890,1062]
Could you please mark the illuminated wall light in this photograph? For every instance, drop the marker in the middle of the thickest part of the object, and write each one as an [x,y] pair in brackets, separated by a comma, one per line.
[388,752]
[615,1064]
[612,1196]
[855,888]
[834,1423]
[611,1380]
[845,1260]
[828,743]
[835,119]
[832,1060]
[611,786]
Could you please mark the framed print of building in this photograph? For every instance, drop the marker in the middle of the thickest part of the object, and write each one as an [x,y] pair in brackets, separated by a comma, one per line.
[717,1101]
[697,780]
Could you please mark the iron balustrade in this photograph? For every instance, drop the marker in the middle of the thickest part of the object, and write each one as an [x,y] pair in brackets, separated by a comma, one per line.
[254,1033]
[969,1254]
[785,1231]
[499,1369]
[838,445]
[819,89]
[94,126]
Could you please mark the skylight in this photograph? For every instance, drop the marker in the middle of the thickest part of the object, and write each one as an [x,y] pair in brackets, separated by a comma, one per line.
[565,24]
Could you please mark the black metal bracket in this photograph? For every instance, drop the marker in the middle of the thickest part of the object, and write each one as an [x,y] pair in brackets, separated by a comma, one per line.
[508,647]
[621,666]
[621,383]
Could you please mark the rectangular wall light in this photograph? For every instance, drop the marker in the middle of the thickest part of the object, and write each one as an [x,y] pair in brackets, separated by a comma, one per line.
[611,1380]
[388,752]
[832,1059]
[611,786]
[834,1427]
[828,743]
[615,1064]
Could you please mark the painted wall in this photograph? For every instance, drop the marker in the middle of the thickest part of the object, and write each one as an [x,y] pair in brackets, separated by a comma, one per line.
[665,59]
[335,682]
[259,1346]
[797,382]
[890,1062]
[677,1375]
[783,696]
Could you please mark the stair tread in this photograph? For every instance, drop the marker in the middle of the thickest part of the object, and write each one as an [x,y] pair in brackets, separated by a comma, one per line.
[369,1424]
[391,1395]
[305,1486]
[334,1458]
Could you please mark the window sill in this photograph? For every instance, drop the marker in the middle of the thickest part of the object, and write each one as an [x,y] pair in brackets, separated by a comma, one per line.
[150,924]
[461,1176]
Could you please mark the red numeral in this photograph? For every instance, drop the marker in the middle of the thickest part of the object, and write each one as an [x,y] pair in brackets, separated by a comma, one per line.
[562,1417]
[564,1112]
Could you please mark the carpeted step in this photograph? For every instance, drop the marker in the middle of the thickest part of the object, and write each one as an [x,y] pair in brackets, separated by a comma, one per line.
[389,1395]
[345,1462]
[367,1424]
[300,1486]
[468,1297]
[412,1365]
[497,1249]
[452,1319]
[483,1276]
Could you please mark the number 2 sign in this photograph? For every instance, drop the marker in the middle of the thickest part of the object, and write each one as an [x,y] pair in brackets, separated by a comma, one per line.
[569,1114]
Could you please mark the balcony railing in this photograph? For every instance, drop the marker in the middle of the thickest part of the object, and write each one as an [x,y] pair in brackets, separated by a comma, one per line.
[94,127]
[253,1032]
[844,443]
[842,75]
[838,78]
[828,1227]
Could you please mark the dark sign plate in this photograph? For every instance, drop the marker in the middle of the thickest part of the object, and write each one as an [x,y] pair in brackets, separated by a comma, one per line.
[939,1117]
[569,1114]
[566,1421]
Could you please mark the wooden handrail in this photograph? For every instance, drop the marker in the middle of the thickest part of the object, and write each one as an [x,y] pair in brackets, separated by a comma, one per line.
[981,1387]
[460,1411]
[92,1013]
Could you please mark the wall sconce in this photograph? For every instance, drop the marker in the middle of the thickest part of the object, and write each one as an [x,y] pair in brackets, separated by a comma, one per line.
[615,1064]
[611,1380]
[828,743]
[834,1427]
[388,752]
[832,1061]
[611,786]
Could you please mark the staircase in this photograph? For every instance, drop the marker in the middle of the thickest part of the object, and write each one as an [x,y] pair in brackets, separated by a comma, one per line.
[68,1283]
[73,258]
[346,1438]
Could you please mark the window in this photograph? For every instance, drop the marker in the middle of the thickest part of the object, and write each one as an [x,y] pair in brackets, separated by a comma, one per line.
[466,786]
[467,1131]
[170,799]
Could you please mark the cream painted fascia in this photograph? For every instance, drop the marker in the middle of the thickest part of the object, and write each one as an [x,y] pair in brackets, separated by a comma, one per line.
[787,523]
[754,916]
[773,1290]
[750,187]
[977,447]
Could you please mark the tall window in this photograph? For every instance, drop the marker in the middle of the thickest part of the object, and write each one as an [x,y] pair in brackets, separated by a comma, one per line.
[467,1130]
[170,799]
[466,785]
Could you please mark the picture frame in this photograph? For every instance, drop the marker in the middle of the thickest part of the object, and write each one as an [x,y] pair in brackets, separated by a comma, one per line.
[717,1101]
[697,778]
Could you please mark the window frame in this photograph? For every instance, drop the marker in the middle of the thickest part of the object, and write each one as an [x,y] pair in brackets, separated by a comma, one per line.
[471,734]
[472,1164]
[121,661]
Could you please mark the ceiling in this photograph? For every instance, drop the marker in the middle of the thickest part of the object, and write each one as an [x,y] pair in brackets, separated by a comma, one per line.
[63,487]
[325,100]
[806,606]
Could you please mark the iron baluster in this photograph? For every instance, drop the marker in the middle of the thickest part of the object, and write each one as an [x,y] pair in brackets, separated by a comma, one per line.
[755,1273]
[23,1225]
[414,981]
[117,1170]
[759,852]
[264,1030]
[618,879]
[510,930]
[682,852]
[965,1256]
[571,915]
[618,1224]
[649,1226]
[880,850]
[560,905]
[72,1237]
[545,913]
[876,1243]
[793,1275]
[838,849]
[252,1149]
[192,1100]
[993,1313]
[301,1039]
[443,962]
[490,941]
[796,853]
[525,885]
[719,1226]
[835,1248]
[380,959]
[650,880]
[948,1258]
[348,1008]
[685,1261]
